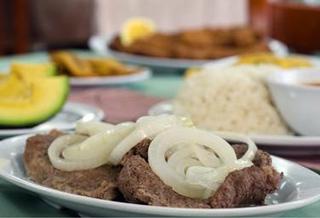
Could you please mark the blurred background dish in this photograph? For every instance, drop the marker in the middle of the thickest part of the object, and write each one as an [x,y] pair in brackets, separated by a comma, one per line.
[98,44]
[199,44]
[82,71]
[286,62]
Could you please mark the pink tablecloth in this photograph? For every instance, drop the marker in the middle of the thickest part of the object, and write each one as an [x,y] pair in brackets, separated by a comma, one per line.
[118,104]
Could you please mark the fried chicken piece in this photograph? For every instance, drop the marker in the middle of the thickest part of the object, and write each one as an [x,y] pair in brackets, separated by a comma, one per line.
[203,43]
[196,38]
[98,183]
[157,45]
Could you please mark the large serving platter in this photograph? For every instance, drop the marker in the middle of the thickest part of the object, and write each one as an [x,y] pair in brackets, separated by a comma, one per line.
[299,187]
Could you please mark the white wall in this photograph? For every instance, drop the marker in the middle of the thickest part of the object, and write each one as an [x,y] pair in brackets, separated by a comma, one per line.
[170,14]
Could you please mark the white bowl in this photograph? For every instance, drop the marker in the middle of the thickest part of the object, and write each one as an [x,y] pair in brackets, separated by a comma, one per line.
[299,104]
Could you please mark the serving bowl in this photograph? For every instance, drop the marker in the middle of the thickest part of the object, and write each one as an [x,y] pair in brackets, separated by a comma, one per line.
[296,95]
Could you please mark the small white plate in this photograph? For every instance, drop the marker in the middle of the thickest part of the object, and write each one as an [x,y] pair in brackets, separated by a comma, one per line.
[311,142]
[66,119]
[100,44]
[140,75]
[299,187]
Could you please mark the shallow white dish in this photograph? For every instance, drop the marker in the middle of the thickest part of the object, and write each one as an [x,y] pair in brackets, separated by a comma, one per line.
[297,103]
[65,120]
[300,187]
[100,44]
[140,75]
[311,142]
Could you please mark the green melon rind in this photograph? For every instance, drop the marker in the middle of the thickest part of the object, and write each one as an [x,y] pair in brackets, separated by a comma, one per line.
[38,118]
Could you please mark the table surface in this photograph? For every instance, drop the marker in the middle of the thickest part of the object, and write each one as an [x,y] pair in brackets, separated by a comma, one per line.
[16,202]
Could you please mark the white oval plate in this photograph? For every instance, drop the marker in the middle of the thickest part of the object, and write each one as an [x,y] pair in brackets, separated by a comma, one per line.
[300,187]
[140,75]
[312,142]
[66,119]
[100,44]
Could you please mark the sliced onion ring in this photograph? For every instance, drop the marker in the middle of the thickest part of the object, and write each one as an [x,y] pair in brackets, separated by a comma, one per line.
[177,135]
[59,144]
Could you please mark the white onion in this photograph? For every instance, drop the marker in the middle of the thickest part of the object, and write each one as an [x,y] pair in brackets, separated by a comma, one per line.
[57,147]
[201,179]
[92,127]
[80,152]
[107,142]
[191,161]
[99,144]
[252,148]
[147,127]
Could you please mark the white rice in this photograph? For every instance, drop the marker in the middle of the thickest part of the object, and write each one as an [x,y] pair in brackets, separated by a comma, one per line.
[230,99]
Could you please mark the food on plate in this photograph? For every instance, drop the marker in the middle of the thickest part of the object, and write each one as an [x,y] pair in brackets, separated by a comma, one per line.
[98,183]
[231,99]
[73,65]
[136,28]
[263,60]
[205,43]
[157,160]
[27,69]
[31,97]
[266,58]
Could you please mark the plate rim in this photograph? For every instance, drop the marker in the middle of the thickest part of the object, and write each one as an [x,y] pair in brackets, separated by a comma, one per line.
[99,115]
[266,140]
[147,209]
[142,73]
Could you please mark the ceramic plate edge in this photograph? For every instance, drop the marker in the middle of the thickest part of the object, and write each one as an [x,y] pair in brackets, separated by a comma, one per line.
[143,74]
[311,141]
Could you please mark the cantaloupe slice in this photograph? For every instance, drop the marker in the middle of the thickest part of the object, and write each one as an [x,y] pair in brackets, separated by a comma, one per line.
[32,101]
